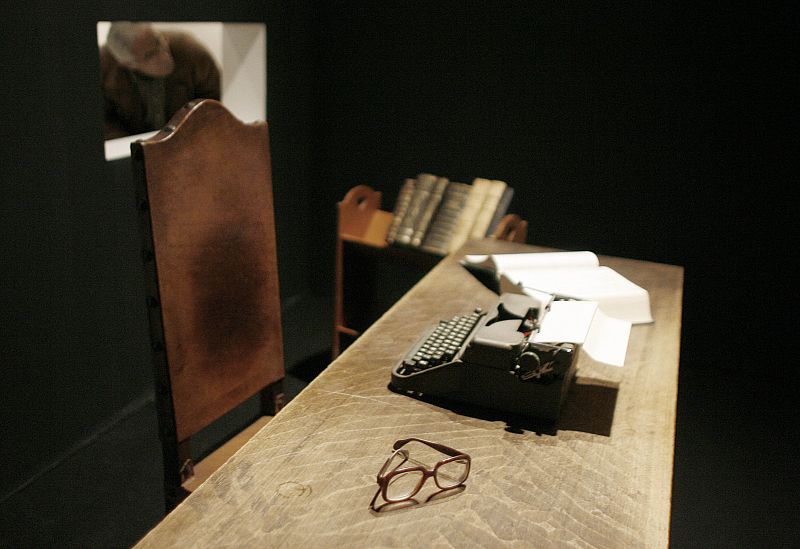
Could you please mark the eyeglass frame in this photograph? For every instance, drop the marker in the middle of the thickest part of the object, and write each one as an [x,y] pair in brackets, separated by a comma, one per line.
[384,476]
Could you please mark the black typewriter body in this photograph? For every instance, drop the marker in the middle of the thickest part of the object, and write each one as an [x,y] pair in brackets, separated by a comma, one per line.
[489,359]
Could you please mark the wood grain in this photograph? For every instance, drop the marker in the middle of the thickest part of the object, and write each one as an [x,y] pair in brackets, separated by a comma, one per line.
[600,478]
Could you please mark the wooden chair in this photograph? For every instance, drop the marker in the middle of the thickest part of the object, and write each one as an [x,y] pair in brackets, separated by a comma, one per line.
[204,189]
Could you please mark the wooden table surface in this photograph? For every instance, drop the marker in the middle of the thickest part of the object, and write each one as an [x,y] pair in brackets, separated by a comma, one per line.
[601,477]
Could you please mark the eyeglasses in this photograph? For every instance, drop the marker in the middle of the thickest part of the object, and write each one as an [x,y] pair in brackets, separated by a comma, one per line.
[398,483]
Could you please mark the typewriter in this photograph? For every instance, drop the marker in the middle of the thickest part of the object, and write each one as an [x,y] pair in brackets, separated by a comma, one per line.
[490,359]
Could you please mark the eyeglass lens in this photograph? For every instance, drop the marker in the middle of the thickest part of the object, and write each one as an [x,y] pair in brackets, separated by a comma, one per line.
[403,485]
[452,473]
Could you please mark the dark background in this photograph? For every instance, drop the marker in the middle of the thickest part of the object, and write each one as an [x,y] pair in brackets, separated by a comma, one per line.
[663,132]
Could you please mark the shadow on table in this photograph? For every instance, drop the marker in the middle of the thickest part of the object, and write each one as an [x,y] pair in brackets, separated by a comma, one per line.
[588,407]
[311,366]
[420,500]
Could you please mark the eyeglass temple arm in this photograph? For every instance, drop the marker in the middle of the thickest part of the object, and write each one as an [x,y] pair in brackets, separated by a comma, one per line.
[440,447]
[384,469]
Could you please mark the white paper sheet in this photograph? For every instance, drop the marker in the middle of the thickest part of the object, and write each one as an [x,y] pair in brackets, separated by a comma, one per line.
[618,297]
[504,262]
[575,275]
[605,339]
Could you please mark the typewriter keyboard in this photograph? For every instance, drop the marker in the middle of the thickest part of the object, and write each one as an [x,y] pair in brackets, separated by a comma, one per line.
[440,344]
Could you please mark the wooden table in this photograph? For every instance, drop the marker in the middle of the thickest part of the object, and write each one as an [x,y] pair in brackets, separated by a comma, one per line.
[601,478]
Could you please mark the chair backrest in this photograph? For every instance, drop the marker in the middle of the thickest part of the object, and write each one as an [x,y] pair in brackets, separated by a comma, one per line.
[205,193]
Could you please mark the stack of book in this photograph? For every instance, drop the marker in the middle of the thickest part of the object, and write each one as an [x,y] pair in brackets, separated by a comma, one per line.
[437,215]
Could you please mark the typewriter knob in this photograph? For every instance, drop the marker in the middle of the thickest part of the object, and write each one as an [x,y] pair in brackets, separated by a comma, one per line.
[528,361]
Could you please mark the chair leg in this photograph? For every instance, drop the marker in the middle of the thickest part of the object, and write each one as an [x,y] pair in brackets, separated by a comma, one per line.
[174,492]
[272,398]
[173,497]
[185,461]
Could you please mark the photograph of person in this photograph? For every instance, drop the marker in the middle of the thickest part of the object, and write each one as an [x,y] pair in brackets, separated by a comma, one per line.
[148,74]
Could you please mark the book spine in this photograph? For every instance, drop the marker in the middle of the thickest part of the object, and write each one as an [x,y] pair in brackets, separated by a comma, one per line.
[428,211]
[400,208]
[419,198]
[466,220]
[494,192]
[440,233]
[502,209]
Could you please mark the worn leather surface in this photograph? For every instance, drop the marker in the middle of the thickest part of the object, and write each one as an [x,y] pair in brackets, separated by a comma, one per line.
[209,187]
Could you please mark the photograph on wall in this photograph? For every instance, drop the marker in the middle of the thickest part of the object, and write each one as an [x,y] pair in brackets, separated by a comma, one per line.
[149,70]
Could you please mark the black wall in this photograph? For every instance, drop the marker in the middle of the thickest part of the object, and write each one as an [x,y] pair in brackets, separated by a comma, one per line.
[656,131]
[648,130]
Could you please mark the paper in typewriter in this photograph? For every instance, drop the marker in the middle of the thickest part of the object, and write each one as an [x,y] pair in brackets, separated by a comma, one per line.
[603,338]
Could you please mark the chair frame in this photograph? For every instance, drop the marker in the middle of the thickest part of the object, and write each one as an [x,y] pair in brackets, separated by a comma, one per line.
[176,449]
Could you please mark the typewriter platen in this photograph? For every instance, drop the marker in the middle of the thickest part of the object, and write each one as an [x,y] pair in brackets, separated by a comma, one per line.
[489,358]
